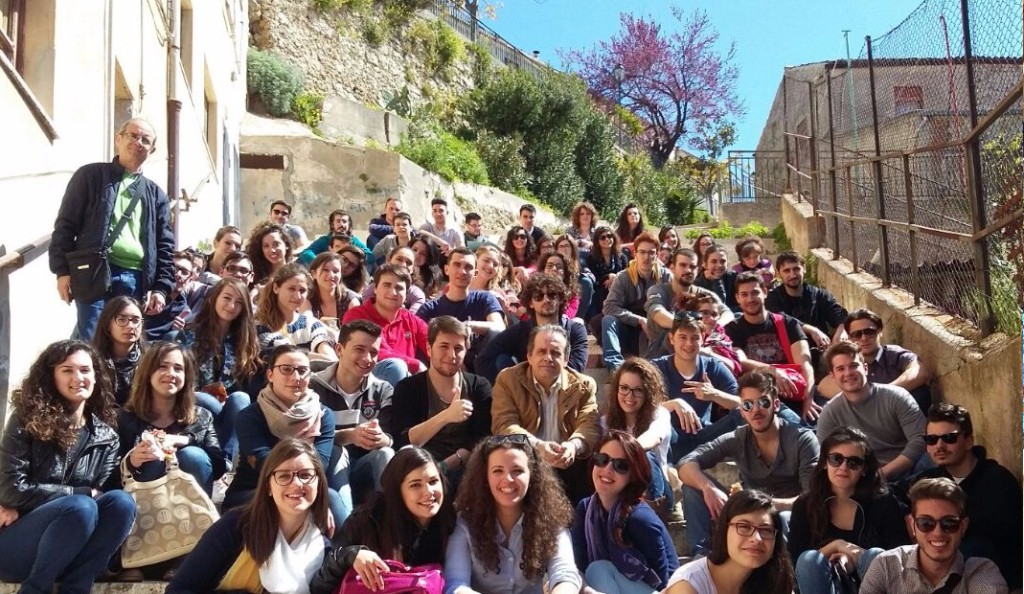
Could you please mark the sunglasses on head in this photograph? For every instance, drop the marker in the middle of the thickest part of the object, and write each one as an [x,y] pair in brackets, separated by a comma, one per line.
[762,402]
[868,332]
[835,460]
[948,524]
[619,465]
[949,438]
[516,440]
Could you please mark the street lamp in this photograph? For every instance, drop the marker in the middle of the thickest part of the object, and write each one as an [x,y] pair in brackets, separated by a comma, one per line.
[619,74]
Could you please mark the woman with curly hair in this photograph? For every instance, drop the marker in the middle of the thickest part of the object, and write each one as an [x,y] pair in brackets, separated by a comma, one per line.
[513,524]
[163,404]
[119,339]
[619,542]
[559,266]
[636,409]
[269,248]
[279,317]
[606,262]
[408,520]
[704,241]
[277,542]
[353,269]
[58,449]
[629,225]
[846,516]
[427,273]
[584,219]
[748,554]
[521,249]
[328,297]
[223,340]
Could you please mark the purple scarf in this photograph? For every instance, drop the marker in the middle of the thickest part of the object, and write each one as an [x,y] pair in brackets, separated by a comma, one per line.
[601,530]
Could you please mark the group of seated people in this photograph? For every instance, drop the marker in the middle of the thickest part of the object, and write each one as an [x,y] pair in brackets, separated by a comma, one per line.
[359,432]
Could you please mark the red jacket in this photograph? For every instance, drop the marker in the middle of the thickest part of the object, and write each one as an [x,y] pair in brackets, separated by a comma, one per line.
[400,339]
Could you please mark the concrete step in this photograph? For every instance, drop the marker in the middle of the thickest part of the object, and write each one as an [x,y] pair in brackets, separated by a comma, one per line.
[108,588]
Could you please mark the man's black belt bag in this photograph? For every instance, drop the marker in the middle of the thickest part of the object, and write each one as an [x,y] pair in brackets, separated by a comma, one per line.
[90,268]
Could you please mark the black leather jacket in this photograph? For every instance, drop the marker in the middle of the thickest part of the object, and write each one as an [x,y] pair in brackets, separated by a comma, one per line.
[34,472]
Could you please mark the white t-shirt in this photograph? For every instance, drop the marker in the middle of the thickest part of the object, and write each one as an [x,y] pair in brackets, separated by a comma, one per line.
[697,575]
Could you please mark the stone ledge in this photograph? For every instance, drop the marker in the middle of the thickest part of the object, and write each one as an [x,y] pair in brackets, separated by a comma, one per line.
[108,588]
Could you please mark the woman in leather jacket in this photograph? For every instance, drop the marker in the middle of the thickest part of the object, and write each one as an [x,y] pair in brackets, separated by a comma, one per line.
[56,452]
[120,341]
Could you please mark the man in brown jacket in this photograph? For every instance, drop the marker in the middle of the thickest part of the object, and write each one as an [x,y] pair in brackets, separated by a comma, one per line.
[553,404]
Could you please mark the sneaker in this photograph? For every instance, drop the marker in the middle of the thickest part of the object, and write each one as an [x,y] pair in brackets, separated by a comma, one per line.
[131,575]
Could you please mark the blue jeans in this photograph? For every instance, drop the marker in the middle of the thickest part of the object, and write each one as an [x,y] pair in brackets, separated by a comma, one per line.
[191,459]
[391,370]
[122,282]
[659,486]
[698,521]
[604,577]
[69,539]
[615,334]
[813,574]
[354,479]
[224,415]
[586,296]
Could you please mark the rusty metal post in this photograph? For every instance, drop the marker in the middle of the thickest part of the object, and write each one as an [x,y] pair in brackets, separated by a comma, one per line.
[853,226]
[976,187]
[883,231]
[832,169]
[785,132]
[812,147]
[915,273]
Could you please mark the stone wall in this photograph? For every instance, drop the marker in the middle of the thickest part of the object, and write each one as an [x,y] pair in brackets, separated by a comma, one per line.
[767,211]
[983,375]
[806,231]
[329,49]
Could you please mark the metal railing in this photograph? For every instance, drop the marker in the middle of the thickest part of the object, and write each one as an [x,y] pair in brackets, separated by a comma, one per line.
[755,175]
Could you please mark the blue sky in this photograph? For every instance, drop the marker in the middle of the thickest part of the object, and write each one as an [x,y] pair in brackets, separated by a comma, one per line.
[769,34]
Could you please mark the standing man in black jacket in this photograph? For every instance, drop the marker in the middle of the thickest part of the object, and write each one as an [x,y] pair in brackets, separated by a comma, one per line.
[95,201]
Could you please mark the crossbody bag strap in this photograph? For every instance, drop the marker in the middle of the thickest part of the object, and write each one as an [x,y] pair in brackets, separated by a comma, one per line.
[136,196]
[780,329]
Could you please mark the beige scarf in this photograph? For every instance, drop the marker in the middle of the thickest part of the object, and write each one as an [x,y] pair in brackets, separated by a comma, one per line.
[301,419]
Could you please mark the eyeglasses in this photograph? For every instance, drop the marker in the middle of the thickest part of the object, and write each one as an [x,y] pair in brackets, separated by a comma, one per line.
[835,460]
[640,392]
[949,438]
[948,524]
[554,266]
[866,332]
[551,296]
[619,465]
[287,477]
[762,402]
[281,213]
[124,321]
[145,141]
[233,269]
[183,270]
[351,263]
[708,313]
[302,370]
[744,529]
[604,237]
[519,236]
[651,253]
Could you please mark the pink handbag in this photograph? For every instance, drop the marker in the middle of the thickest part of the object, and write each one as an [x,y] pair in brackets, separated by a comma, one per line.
[402,579]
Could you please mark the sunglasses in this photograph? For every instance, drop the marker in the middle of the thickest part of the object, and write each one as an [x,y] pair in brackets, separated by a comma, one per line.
[517,440]
[948,524]
[949,438]
[604,237]
[238,269]
[287,477]
[519,236]
[762,402]
[551,296]
[835,460]
[866,332]
[619,465]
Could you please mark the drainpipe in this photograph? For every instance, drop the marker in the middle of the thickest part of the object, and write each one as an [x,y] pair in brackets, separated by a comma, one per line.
[174,112]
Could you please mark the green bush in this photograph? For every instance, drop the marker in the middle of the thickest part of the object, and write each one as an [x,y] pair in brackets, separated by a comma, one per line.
[274,81]
[451,157]
[723,229]
[374,32]
[780,238]
[754,228]
[502,155]
[482,63]
[440,45]
[308,109]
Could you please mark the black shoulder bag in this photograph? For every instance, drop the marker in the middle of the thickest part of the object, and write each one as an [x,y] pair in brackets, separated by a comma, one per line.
[90,268]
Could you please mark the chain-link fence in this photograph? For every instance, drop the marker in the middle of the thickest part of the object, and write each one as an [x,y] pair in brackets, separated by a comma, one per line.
[912,153]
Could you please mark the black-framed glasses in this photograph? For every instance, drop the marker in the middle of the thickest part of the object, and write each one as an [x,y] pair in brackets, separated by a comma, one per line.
[550,295]
[124,321]
[183,270]
[286,369]
[234,269]
[950,438]
[762,402]
[835,460]
[619,465]
[640,392]
[948,524]
[145,141]
[868,332]
[744,529]
[287,477]
[604,237]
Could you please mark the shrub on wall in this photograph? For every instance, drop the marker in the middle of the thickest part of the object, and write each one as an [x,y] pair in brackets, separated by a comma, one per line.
[450,157]
[308,108]
[503,157]
[274,81]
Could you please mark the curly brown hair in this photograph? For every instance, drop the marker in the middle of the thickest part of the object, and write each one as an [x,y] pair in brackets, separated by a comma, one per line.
[261,268]
[570,273]
[546,510]
[44,411]
[653,383]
